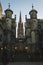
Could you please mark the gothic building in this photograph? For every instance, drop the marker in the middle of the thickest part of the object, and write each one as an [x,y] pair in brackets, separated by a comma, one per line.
[22,47]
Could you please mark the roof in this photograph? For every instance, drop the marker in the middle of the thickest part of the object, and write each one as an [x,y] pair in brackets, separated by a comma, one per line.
[33,11]
[8,10]
[40,20]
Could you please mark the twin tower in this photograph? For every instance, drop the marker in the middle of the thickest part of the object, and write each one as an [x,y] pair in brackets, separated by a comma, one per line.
[9,26]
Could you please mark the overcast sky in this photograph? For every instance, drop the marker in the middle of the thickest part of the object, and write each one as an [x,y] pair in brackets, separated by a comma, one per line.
[24,6]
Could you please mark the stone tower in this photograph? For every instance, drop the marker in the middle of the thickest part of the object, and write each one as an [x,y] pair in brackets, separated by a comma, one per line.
[8,12]
[33,13]
[8,15]
[0,11]
[20,27]
[27,30]
[33,24]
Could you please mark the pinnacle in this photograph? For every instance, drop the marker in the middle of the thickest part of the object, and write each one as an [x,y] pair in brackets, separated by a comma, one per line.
[20,20]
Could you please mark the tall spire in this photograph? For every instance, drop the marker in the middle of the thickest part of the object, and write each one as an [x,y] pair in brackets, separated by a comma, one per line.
[20,27]
[20,20]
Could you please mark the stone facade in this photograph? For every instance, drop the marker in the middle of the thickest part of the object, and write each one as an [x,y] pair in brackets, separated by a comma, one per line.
[22,47]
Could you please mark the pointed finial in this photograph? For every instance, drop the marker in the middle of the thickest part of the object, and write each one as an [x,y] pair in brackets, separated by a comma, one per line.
[32,6]
[20,17]
[20,13]
[9,5]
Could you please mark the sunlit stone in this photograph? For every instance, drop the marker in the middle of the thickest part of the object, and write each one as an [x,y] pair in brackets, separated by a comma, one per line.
[15,47]
[1,48]
[26,48]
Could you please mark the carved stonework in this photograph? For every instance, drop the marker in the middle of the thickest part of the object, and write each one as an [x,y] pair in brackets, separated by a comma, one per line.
[34,24]
[8,23]
[28,32]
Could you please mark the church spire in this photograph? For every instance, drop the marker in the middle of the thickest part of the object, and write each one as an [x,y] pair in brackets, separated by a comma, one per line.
[20,20]
[20,27]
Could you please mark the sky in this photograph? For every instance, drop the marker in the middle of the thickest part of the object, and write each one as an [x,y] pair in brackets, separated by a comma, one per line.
[24,6]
